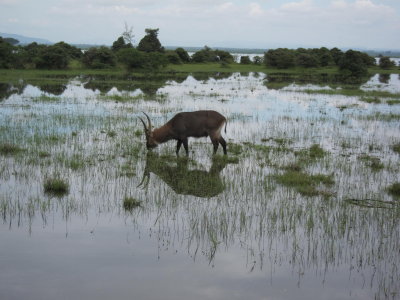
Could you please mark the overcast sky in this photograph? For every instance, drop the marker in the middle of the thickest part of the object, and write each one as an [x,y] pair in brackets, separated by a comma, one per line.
[372,24]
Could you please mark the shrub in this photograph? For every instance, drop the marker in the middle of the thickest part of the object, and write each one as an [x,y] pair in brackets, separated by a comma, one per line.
[98,58]
[52,57]
[183,55]
[245,60]
[386,63]
[173,57]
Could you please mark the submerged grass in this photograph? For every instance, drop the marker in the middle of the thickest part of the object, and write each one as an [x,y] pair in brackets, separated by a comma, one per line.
[305,184]
[393,102]
[130,203]
[370,100]
[45,98]
[9,149]
[56,186]
[394,189]
[396,148]
[387,117]
[354,92]
[372,161]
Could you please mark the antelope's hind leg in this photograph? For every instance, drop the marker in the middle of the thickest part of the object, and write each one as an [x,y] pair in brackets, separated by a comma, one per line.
[223,144]
[215,143]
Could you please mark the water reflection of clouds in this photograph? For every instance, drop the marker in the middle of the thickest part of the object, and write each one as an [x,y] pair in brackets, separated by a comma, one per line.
[386,82]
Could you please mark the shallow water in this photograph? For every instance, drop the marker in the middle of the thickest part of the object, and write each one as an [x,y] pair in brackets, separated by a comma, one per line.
[207,228]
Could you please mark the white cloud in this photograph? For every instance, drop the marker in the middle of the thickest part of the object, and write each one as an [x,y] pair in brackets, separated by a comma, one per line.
[199,22]
[255,10]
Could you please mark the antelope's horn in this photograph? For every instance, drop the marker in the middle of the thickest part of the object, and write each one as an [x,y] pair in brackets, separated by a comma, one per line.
[144,124]
[148,119]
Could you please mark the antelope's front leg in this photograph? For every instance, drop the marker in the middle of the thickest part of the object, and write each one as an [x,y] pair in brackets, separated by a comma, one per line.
[186,146]
[178,147]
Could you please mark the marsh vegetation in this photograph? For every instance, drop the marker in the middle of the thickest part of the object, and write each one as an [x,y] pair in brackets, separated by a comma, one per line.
[307,200]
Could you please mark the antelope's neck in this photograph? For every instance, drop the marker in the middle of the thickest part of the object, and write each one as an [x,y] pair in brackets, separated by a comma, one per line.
[162,134]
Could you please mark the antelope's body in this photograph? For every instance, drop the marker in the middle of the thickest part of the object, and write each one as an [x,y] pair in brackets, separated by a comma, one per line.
[183,125]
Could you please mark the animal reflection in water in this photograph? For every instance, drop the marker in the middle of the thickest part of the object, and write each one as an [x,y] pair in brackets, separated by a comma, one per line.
[176,174]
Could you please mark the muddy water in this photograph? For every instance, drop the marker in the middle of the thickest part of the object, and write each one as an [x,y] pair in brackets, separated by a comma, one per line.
[206,228]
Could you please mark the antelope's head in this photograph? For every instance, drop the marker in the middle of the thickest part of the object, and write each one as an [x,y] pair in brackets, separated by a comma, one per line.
[148,130]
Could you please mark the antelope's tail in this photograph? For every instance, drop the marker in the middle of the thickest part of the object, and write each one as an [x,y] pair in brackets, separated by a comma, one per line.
[226,123]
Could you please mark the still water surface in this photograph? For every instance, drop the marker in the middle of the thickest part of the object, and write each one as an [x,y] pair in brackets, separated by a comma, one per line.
[206,228]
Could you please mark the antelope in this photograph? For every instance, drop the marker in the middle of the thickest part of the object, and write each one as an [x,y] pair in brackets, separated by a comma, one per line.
[183,125]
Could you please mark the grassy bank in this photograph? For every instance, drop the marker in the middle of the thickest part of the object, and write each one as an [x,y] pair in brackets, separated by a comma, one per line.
[182,68]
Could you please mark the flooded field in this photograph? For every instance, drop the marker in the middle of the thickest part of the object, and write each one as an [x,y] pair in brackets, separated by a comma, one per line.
[305,206]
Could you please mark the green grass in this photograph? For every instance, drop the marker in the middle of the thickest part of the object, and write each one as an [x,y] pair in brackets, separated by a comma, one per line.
[130,203]
[307,156]
[304,183]
[45,98]
[76,69]
[9,149]
[355,92]
[56,186]
[387,117]
[393,102]
[394,189]
[373,162]
[374,100]
[396,148]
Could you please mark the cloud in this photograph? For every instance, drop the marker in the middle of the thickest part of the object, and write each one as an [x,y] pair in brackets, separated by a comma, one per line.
[199,22]
[255,10]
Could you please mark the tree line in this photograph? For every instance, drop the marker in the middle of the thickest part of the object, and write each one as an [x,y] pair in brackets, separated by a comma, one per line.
[149,54]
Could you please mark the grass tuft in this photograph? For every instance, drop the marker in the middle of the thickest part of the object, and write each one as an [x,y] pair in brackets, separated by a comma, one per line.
[130,203]
[9,149]
[394,189]
[304,183]
[56,186]
[396,148]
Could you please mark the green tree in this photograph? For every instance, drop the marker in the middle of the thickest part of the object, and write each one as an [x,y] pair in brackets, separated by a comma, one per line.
[150,42]
[337,55]
[131,58]
[324,57]
[155,61]
[183,55]
[386,63]
[120,44]
[205,55]
[98,58]
[258,60]
[281,58]
[224,56]
[208,55]
[354,63]
[52,57]
[307,60]
[173,57]
[6,54]
[245,60]
[72,51]
[11,41]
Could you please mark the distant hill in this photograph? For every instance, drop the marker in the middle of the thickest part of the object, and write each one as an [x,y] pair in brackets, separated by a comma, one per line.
[23,40]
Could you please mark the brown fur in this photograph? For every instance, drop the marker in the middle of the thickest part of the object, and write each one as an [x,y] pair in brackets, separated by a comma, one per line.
[183,125]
